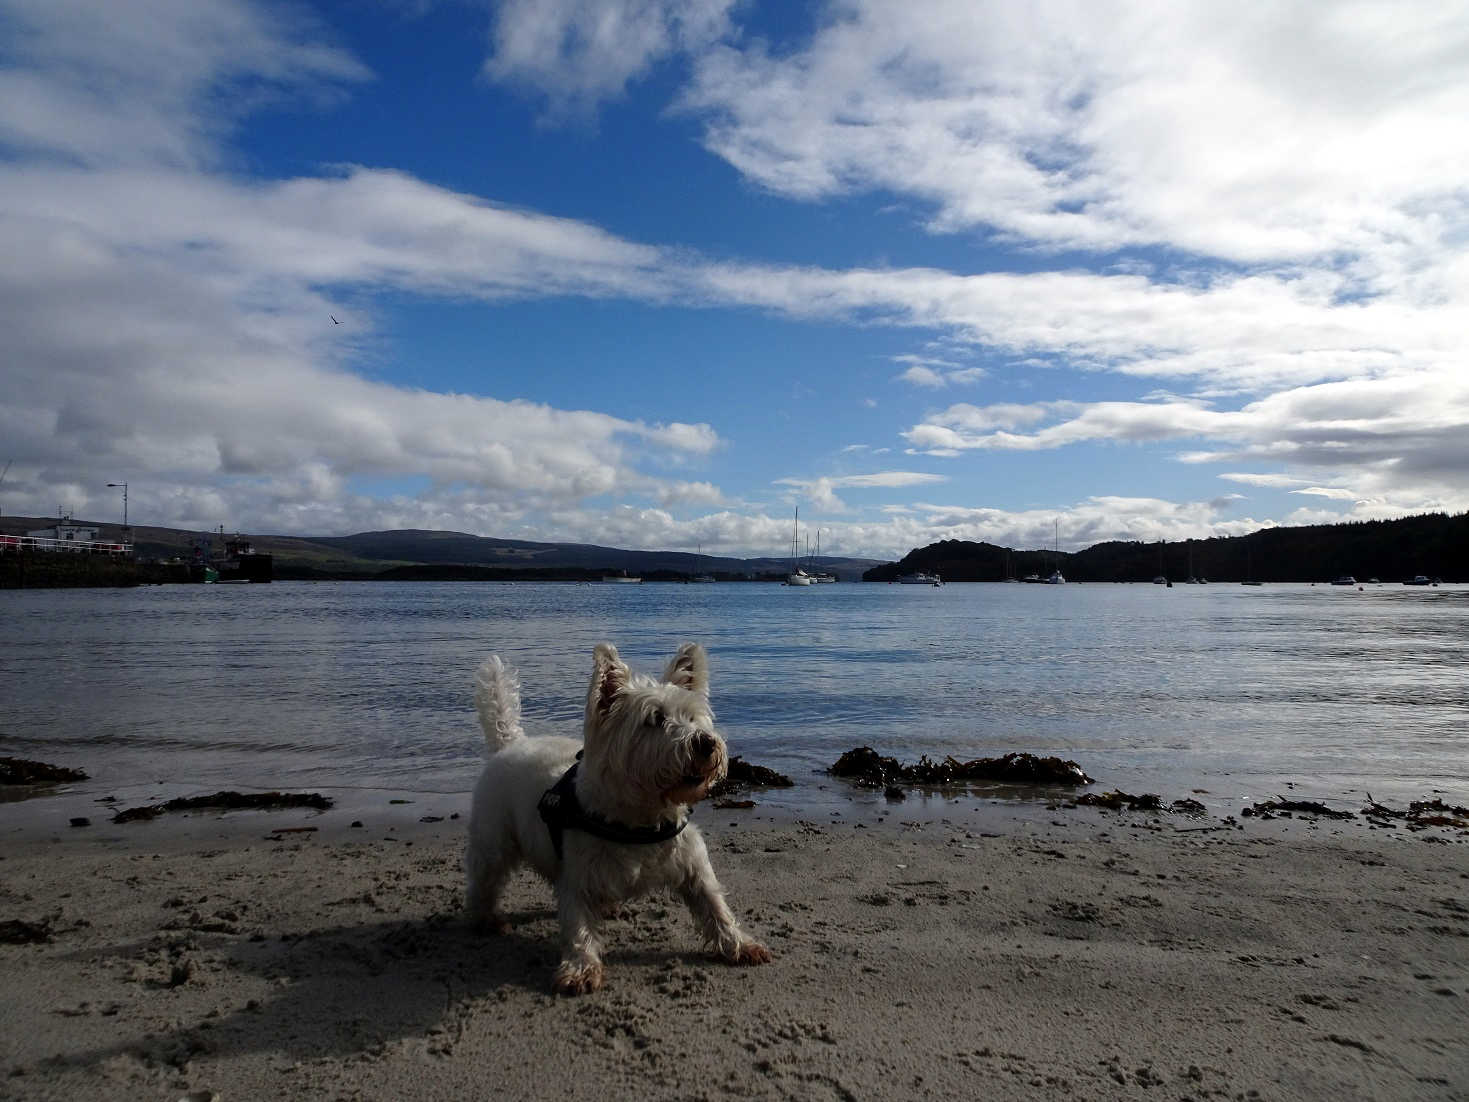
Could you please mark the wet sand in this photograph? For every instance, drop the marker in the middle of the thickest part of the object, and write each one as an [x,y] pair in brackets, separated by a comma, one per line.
[1056,954]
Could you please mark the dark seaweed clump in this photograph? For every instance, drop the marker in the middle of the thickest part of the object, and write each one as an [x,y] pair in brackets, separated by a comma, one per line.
[1279,806]
[871,770]
[1420,814]
[17,931]
[21,771]
[227,801]
[1123,801]
[1117,800]
[742,774]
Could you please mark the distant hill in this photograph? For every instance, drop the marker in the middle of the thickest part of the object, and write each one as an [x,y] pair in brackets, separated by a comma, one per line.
[413,553]
[1434,544]
[441,548]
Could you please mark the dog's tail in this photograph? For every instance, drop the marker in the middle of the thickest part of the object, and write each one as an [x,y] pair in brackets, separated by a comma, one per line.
[497,699]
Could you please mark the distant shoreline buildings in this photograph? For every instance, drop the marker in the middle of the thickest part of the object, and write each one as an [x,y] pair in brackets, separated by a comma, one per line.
[67,537]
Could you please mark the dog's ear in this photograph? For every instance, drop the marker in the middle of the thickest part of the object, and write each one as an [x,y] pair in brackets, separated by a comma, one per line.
[609,677]
[689,669]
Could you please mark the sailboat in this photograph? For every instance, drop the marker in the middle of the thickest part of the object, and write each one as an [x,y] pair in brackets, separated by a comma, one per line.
[1055,577]
[701,577]
[797,576]
[1250,578]
[820,577]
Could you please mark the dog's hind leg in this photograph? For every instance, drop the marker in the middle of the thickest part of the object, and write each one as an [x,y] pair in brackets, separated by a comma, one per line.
[486,872]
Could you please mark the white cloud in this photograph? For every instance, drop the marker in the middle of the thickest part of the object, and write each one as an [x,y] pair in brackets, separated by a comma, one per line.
[577,53]
[1241,333]
[923,376]
[1084,523]
[1327,492]
[111,83]
[889,479]
[1268,481]
[878,479]
[168,325]
[1288,130]
[690,493]
[204,344]
[821,492]
[1398,439]
[936,373]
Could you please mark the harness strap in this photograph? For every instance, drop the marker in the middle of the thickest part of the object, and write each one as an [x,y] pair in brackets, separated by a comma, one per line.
[561,811]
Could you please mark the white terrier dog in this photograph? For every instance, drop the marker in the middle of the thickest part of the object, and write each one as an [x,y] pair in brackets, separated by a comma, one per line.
[605,819]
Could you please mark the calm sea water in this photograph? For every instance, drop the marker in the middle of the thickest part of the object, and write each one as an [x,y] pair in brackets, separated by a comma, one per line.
[364,687]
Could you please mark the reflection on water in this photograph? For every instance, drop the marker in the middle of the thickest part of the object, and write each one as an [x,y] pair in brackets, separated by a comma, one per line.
[328,685]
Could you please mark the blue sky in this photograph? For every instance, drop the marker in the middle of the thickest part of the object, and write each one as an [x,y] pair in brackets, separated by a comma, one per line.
[654,274]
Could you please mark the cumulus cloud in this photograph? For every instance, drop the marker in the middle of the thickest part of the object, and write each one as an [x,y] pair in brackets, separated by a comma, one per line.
[935,373]
[107,83]
[1225,331]
[921,375]
[1398,439]
[1074,526]
[1289,130]
[168,324]
[901,527]
[204,348]
[577,53]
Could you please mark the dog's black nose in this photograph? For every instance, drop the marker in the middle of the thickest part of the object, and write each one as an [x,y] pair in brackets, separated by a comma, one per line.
[704,744]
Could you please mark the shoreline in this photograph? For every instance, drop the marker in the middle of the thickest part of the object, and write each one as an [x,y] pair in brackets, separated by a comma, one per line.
[1039,952]
[32,812]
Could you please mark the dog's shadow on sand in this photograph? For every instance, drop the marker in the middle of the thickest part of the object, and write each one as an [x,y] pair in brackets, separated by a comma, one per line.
[358,988]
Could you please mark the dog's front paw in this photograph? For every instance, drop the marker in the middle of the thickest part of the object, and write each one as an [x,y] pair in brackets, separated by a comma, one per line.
[749,952]
[578,979]
[494,925]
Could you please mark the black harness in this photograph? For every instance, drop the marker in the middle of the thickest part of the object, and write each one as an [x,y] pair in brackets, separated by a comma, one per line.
[562,811]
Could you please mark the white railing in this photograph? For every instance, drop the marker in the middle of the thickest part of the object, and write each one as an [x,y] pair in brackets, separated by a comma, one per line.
[76,547]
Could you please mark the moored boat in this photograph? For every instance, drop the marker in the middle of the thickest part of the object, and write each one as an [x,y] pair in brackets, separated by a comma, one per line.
[241,563]
[797,576]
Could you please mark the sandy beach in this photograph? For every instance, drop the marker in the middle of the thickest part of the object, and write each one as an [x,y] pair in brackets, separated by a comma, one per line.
[1046,954]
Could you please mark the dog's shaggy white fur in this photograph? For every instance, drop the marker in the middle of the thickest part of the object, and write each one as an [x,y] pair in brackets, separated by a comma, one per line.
[649,750]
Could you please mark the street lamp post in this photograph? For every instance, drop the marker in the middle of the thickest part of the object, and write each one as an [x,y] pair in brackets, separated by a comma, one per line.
[123,486]
[127,533]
